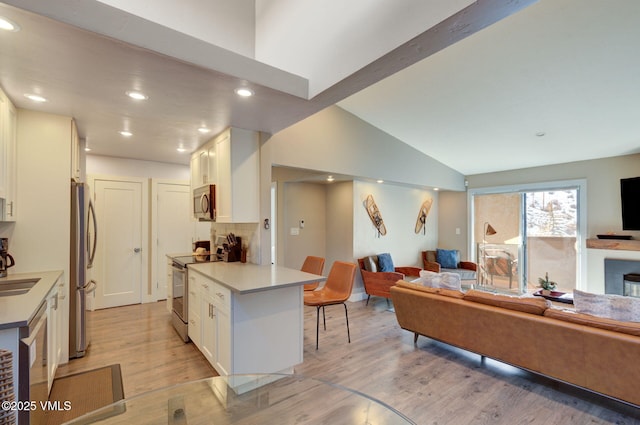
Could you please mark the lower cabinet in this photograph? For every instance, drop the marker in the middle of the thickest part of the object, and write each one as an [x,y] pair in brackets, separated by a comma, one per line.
[244,333]
[223,346]
[195,324]
[209,327]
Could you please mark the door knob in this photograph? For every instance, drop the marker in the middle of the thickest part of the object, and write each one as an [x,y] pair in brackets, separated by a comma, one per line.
[137,250]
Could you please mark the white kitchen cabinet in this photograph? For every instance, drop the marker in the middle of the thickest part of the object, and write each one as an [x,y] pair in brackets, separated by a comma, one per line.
[194,300]
[209,326]
[252,332]
[223,343]
[200,167]
[8,169]
[231,161]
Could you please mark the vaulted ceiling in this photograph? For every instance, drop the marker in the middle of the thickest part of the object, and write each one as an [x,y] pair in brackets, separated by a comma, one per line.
[480,86]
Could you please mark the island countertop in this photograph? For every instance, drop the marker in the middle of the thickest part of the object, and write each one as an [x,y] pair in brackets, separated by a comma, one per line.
[245,278]
[18,310]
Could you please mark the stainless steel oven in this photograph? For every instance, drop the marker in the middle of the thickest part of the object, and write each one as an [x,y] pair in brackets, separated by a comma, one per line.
[180,301]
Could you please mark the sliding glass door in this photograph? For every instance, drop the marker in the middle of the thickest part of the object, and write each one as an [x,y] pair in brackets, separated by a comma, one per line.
[522,235]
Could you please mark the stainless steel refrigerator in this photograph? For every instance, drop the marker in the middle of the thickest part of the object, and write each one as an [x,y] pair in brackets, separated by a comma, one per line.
[84,231]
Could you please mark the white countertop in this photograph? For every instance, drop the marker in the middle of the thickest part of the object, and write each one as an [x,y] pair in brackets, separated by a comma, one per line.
[244,278]
[18,310]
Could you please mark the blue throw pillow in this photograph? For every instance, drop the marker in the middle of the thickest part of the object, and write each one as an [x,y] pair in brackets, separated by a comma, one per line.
[385,263]
[448,258]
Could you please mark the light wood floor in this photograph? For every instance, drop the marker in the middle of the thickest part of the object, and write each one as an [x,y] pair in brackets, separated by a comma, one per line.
[431,383]
[141,339]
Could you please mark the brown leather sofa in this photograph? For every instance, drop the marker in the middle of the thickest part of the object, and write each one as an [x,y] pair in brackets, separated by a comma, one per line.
[593,353]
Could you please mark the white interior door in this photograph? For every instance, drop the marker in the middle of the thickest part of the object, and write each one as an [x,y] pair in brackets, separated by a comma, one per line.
[175,228]
[119,256]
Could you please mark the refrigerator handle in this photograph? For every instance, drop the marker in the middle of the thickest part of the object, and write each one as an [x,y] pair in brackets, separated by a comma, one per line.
[91,287]
[92,254]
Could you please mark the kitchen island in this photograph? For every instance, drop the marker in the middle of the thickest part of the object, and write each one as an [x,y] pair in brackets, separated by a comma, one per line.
[247,318]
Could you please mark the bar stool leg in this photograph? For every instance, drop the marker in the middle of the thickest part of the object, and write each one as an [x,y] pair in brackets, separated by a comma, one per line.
[317,324]
[347,317]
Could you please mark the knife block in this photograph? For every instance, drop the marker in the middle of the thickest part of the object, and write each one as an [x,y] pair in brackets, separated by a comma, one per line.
[233,253]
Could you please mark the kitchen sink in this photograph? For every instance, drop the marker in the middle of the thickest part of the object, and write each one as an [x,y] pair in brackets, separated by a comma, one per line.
[16,287]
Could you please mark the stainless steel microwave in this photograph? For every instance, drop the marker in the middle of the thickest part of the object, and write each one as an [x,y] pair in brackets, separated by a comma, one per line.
[204,203]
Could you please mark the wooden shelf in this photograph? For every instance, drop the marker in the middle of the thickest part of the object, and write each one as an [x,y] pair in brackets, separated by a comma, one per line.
[617,244]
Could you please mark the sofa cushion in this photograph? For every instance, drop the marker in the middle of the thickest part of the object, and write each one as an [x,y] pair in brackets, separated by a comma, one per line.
[438,291]
[448,258]
[431,256]
[609,306]
[385,263]
[440,280]
[524,304]
[464,274]
[631,328]
[371,263]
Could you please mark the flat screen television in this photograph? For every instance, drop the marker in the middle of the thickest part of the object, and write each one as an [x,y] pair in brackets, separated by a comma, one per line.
[630,194]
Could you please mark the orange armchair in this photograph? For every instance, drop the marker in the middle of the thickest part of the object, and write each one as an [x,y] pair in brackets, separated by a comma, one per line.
[378,283]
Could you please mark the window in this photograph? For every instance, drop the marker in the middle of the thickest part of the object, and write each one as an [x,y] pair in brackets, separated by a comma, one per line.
[535,230]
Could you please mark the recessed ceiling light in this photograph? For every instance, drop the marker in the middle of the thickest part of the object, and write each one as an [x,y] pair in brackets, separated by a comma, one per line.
[330,179]
[87,149]
[540,133]
[244,92]
[204,130]
[35,97]
[137,95]
[8,25]
[380,181]
[436,189]
[126,133]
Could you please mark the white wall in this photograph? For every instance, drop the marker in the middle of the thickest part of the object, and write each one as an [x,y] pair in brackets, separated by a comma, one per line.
[228,24]
[39,240]
[399,207]
[452,216]
[302,37]
[339,212]
[97,164]
[304,201]
[337,142]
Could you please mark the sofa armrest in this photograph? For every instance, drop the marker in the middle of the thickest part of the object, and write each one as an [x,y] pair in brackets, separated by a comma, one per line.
[431,266]
[468,265]
[409,271]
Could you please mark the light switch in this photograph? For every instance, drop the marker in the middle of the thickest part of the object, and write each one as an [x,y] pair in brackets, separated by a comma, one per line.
[295,231]
[457,230]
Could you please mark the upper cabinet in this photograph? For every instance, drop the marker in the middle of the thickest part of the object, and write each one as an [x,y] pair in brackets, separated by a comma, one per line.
[231,161]
[8,169]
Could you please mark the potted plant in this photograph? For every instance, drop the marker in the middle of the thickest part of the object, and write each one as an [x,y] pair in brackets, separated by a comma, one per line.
[546,284]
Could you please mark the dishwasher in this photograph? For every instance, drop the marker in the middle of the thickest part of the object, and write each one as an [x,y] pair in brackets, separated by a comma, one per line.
[33,387]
